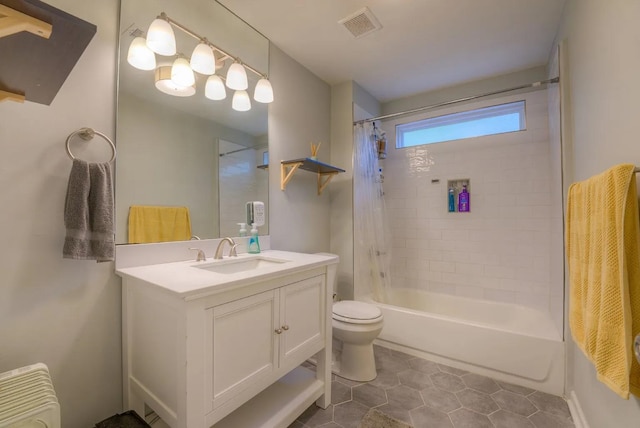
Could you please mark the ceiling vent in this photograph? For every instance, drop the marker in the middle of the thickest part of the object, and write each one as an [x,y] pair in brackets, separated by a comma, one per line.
[361,23]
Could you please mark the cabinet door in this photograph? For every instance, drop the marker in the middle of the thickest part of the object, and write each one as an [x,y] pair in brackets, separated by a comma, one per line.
[242,347]
[302,319]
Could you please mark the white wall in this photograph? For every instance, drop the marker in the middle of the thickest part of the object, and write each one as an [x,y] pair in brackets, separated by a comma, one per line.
[299,115]
[345,101]
[64,313]
[342,186]
[603,47]
[500,250]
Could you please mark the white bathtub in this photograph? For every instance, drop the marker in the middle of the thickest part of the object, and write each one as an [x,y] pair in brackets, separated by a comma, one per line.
[507,342]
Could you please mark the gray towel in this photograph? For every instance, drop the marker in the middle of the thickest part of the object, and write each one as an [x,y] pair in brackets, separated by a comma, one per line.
[88,213]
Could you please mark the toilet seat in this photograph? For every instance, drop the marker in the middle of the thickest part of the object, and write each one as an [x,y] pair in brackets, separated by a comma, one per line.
[354,312]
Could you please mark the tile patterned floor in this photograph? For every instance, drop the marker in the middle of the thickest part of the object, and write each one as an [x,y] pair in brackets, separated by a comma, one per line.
[429,395]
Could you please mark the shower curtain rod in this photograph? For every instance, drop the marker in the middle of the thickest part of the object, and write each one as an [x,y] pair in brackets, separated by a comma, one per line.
[459,100]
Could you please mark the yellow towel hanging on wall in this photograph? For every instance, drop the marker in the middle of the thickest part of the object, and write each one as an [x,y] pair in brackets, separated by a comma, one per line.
[603,251]
[148,224]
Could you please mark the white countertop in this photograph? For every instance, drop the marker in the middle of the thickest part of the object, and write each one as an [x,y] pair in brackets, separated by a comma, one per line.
[185,278]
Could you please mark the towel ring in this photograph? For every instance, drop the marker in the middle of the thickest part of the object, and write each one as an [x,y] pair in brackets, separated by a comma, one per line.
[87,134]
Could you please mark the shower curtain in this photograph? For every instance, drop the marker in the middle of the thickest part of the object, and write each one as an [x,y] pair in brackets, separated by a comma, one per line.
[372,243]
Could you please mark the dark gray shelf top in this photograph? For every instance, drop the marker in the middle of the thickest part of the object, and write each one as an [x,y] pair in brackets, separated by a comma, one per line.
[314,166]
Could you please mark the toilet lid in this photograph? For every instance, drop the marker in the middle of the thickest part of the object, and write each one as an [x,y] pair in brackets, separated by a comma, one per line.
[355,310]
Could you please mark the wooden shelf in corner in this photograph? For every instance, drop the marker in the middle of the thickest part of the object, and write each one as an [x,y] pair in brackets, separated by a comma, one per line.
[325,171]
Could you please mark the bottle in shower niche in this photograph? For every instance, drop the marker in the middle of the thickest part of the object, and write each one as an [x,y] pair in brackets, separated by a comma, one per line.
[452,200]
[463,200]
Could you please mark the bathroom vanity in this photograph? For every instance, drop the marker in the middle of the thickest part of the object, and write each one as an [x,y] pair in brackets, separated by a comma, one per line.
[221,342]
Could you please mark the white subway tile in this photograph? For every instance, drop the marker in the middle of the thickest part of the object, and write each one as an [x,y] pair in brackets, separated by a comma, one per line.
[456,235]
[437,266]
[507,272]
[470,268]
[430,275]
[417,244]
[469,291]
[500,295]
[455,256]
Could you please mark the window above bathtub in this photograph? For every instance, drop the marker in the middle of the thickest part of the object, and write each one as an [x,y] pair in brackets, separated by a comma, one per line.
[479,122]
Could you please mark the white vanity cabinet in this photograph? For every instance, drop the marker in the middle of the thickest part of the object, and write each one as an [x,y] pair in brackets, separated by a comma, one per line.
[252,338]
[227,356]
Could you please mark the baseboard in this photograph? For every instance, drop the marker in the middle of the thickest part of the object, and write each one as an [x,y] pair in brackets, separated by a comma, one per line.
[577,414]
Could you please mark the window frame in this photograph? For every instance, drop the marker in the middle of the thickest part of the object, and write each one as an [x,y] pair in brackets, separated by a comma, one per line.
[462,117]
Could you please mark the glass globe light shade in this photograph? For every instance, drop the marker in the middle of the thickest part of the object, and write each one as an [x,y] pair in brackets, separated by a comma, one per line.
[241,101]
[263,92]
[181,73]
[214,89]
[140,56]
[160,38]
[237,77]
[203,59]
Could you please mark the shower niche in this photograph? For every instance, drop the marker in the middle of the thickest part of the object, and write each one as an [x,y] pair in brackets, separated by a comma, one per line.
[457,201]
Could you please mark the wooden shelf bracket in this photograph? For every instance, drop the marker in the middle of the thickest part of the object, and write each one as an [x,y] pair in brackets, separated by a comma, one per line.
[286,173]
[325,172]
[12,21]
[324,179]
[10,96]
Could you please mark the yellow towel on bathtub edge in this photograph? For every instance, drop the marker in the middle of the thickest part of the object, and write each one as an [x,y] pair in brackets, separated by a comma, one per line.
[148,224]
[603,252]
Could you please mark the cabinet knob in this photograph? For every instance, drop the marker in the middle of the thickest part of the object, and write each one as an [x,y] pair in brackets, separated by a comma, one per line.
[285,327]
[278,331]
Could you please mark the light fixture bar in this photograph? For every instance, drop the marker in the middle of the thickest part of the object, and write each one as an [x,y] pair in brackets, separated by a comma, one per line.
[201,38]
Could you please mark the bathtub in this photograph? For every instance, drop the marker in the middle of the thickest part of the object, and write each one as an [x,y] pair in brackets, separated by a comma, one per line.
[507,342]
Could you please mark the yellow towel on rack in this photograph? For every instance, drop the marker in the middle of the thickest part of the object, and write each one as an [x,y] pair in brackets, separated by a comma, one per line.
[149,224]
[604,274]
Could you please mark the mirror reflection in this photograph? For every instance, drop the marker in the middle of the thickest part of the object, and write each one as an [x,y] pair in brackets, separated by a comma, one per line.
[190,154]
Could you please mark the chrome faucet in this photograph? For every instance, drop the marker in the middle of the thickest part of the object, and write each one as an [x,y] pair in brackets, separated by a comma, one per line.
[219,250]
[200,257]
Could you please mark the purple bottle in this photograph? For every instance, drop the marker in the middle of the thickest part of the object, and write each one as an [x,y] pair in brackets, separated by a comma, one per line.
[463,200]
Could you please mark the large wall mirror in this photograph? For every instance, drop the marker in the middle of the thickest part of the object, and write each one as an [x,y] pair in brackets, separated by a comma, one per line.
[190,151]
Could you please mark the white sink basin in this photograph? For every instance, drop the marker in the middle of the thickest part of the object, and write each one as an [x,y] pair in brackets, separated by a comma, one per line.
[241,265]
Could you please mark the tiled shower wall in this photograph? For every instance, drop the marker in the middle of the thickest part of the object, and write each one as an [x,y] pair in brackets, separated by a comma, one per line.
[501,249]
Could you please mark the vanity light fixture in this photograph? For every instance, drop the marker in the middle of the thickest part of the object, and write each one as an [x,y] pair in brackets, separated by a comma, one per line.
[179,79]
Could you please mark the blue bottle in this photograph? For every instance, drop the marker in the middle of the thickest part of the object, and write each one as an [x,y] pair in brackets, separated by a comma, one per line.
[463,200]
[452,201]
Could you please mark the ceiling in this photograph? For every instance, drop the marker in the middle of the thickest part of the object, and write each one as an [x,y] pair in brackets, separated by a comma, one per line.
[423,44]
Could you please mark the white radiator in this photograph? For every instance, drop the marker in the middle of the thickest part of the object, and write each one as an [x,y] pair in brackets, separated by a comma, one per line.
[27,398]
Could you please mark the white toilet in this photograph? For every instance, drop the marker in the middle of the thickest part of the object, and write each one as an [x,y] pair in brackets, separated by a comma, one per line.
[356,325]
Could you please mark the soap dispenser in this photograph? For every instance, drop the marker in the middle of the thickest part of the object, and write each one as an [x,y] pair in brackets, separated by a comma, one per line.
[254,243]
[243,229]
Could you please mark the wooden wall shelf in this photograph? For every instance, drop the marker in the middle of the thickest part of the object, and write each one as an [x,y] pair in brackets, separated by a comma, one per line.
[325,171]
